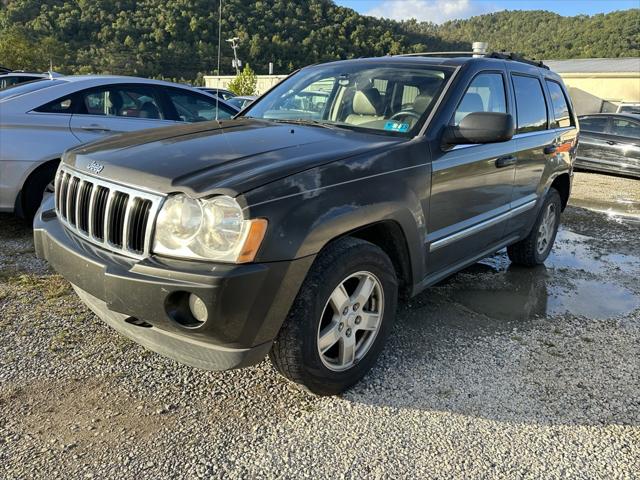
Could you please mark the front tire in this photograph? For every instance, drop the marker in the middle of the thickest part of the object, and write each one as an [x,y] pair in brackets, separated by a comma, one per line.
[38,184]
[340,319]
[535,248]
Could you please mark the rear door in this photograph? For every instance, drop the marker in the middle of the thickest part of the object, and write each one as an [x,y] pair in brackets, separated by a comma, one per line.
[117,108]
[471,185]
[623,146]
[535,144]
[594,138]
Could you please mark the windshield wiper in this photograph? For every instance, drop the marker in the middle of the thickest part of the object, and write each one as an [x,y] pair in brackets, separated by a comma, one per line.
[310,122]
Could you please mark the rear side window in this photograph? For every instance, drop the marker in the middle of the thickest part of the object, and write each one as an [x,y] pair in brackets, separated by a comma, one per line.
[625,128]
[560,104]
[61,105]
[530,104]
[594,124]
[485,94]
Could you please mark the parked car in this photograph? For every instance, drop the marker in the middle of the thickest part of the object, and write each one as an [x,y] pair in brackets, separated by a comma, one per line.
[241,102]
[11,78]
[627,107]
[293,233]
[610,142]
[40,120]
[218,92]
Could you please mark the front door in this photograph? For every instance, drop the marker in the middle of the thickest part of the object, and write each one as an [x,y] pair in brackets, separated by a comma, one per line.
[471,185]
[117,108]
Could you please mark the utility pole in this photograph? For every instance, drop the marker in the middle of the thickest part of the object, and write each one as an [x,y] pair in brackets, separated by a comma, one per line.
[236,62]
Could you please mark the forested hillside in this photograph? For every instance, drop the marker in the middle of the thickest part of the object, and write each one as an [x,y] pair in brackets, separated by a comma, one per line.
[178,38]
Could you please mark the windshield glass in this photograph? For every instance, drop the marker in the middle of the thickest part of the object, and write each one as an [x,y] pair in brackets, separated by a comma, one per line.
[384,98]
[27,87]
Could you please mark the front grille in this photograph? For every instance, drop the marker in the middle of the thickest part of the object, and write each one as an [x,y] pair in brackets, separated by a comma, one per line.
[113,216]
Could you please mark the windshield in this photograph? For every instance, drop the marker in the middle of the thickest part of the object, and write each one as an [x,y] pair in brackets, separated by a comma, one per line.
[390,99]
[27,87]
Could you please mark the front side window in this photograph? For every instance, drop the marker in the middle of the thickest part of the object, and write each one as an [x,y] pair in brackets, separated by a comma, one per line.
[594,124]
[381,98]
[530,104]
[191,107]
[625,128]
[486,93]
[561,113]
[122,101]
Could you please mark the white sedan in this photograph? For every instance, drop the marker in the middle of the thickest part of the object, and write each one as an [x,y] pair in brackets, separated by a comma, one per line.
[40,120]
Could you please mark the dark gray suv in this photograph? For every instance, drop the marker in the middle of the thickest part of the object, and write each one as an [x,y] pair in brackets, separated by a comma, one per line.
[292,230]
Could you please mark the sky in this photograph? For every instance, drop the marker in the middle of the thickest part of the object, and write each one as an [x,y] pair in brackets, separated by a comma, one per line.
[439,11]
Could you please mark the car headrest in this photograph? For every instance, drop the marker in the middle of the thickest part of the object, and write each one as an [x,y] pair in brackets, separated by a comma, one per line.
[421,102]
[367,102]
[149,110]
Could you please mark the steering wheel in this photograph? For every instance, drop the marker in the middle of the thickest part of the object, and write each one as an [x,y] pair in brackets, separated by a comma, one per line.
[405,113]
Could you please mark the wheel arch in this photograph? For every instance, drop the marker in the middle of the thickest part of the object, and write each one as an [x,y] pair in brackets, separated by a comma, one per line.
[39,167]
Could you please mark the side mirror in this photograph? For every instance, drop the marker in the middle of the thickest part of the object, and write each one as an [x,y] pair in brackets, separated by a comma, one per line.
[480,127]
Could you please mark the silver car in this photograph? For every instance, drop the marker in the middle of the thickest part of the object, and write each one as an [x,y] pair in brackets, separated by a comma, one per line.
[40,120]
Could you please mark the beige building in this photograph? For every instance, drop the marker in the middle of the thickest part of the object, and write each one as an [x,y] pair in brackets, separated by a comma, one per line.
[265,82]
[600,84]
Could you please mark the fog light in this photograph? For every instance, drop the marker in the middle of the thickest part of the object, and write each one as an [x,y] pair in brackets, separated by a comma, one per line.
[198,308]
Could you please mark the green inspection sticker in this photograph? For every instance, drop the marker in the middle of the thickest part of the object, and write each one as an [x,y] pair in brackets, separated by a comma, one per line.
[396,126]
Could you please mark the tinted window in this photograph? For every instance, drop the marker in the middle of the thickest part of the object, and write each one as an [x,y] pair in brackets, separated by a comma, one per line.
[130,101]
[594,124]
[192,107]
[530,104]
[625,128]
[560,105]
[61,105]
[485,94]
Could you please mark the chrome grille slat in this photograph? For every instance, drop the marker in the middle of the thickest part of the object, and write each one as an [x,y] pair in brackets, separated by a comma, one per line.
[116,217]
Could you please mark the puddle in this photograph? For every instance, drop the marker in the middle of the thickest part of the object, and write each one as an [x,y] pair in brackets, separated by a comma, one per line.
[622,209]
[577,278]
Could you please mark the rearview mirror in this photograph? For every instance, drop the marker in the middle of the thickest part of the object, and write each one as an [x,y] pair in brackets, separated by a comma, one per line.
[480,127]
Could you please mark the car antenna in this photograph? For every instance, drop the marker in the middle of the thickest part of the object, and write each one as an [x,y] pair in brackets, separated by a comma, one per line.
[50,72]
[218,70]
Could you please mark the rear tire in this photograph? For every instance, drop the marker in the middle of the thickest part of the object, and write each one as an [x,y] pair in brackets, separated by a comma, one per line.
[37,184]
[535,248]
[330,340]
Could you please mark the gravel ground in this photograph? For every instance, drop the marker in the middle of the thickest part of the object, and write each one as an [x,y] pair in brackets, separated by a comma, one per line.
[498,372]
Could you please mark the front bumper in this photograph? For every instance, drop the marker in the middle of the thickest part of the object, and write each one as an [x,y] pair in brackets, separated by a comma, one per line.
[246,303]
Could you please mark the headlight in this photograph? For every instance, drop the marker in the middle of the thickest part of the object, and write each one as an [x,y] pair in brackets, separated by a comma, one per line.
[208,229]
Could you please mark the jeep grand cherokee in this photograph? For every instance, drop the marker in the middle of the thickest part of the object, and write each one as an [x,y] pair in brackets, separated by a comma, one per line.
[292,230]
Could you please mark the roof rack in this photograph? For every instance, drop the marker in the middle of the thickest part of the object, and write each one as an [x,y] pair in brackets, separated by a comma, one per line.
[516,57]
[434,54]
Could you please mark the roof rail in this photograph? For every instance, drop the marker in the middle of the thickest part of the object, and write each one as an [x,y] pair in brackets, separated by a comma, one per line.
[434,54]
[516,57]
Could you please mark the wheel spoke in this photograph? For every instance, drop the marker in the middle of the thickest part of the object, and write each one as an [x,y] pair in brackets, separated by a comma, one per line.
[363,290]
[370,321]
[328,337]
[339,299]
[347,350]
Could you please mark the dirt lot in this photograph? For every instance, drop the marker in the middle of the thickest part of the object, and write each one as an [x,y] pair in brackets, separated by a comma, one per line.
[498,372]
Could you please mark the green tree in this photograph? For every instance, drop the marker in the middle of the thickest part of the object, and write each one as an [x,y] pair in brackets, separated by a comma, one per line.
[245,82]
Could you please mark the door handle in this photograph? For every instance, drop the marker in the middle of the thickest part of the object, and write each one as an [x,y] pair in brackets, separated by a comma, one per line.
[549,149]
[610,142]
[506,161]
[95,128]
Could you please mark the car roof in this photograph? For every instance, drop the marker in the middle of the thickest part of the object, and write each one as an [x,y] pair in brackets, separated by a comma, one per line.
[24,74]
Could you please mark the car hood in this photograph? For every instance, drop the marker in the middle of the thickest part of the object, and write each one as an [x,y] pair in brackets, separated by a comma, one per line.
[231,156]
